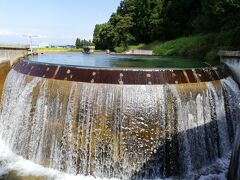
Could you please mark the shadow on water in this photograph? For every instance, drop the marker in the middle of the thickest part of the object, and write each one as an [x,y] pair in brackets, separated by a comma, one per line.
[234,168]
[167,160]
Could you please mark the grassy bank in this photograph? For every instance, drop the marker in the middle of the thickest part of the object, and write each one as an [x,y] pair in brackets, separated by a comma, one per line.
[199,46]
[57,50]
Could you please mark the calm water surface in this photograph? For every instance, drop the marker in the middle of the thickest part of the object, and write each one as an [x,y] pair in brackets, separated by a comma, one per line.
[104,60]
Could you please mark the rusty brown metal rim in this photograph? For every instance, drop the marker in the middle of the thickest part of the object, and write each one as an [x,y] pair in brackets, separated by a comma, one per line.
[121,75]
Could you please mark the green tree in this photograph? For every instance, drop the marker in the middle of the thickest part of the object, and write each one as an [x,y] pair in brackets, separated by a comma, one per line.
[144,21]
[96,35]
[78,43]
[122,26]
[220,14]
[103,36]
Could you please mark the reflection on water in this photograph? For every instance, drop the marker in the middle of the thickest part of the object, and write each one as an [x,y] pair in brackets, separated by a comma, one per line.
[104,60]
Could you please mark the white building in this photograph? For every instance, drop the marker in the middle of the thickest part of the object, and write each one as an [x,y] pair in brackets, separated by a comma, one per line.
[43,45]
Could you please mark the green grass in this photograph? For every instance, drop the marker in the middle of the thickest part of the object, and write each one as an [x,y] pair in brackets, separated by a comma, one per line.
[98,50]
[57,50]
[194,46]
[138,46]
[143,46]
[203,47]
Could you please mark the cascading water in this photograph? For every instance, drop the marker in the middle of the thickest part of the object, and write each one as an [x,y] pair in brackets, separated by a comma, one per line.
[121,131]
[232,60]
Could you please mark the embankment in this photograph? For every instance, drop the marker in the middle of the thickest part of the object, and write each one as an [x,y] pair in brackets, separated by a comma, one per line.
[202,46]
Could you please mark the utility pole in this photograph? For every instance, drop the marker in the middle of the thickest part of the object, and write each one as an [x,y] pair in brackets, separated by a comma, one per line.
[30,36]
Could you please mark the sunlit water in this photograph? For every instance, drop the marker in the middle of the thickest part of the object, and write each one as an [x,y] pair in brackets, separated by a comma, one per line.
[104,60]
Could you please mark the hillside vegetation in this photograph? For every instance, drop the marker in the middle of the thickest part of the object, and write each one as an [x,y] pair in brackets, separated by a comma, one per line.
[172,27]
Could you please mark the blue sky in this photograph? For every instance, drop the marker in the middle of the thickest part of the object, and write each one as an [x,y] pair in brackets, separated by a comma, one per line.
[57,22]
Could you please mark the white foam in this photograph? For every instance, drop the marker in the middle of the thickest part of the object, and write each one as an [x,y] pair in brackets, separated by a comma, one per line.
[12,162]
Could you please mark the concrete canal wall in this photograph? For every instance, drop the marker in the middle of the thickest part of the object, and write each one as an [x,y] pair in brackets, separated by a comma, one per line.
[13,52]
[232,60]
[9,54]
[5,67]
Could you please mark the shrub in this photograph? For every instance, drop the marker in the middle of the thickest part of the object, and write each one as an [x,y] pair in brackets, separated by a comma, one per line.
[120,49]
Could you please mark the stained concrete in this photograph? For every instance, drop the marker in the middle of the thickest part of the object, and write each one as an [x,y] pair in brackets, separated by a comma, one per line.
[5,67]
[9,55]
[13,52]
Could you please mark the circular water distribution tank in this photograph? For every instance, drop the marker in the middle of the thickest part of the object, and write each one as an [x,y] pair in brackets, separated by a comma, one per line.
[127,123]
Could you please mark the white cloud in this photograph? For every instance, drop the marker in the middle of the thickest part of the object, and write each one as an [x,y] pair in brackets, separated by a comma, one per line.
[34,35]
[6,32]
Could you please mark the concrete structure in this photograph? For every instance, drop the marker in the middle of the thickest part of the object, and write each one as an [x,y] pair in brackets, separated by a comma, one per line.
[224,54]
[232,60]
[141,52]
[5,67]
[13,52]
[121,123]
[9,54]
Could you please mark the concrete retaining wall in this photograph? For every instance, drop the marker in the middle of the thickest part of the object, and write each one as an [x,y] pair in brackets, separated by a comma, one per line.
[232,60]
[141,52]
[13,52]
[5,67]
[9,54]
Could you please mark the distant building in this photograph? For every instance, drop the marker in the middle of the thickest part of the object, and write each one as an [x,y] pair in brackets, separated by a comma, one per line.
[35,46]
[43,45]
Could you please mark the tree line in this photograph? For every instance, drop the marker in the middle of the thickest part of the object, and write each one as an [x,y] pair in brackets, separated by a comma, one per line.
[144,21]
[80,43]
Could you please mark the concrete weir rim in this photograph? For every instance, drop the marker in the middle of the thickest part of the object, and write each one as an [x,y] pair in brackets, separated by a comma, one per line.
[121,76]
